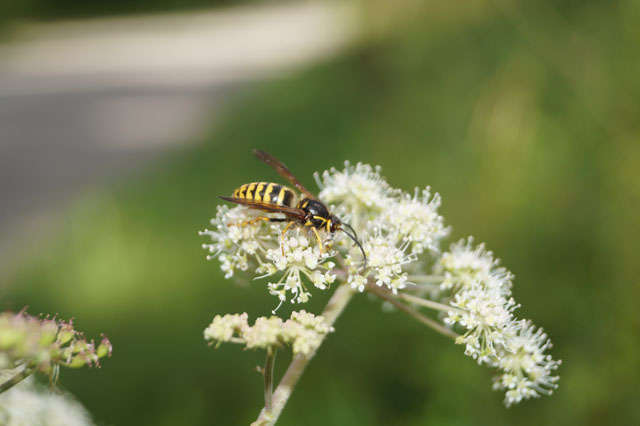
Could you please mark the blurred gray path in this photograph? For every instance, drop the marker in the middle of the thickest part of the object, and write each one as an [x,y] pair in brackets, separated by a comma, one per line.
[85,102]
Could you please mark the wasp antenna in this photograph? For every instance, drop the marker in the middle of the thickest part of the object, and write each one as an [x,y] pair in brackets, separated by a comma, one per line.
[352,230]
[357,243]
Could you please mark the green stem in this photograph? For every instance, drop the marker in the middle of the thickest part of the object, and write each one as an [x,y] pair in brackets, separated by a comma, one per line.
[15,379]
[332,311]
[268,377]
[426,278]
[422,288]
[429,303]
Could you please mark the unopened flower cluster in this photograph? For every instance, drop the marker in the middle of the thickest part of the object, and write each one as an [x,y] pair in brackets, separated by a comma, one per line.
[303,331]
[45,344]
[401,234]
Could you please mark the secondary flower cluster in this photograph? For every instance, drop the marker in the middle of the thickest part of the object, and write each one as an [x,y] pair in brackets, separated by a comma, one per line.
[44,344]
[481,290]
[401,234]
[303,331]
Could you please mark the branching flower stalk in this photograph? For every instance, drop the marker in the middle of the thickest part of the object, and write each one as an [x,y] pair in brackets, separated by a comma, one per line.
[465,290]
[332,311]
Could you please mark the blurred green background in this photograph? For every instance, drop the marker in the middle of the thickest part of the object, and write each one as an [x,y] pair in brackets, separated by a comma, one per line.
[63,9]
[524,117]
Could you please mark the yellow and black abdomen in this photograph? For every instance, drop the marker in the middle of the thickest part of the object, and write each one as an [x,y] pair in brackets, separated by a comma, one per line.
[266,192]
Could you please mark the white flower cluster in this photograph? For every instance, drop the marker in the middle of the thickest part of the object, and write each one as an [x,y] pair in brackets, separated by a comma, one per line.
[396,227]
[302,257]
[303,331]
[359,187]
[482,292]
[233,244]
[29,404]
[386,257]
[416,219]
[463,266]
[285,260]
[527,370]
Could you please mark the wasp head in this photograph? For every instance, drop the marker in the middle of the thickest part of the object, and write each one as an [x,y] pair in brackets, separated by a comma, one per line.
[336,223]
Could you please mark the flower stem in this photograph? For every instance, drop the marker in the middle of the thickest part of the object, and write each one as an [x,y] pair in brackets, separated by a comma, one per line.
[268,377]
[426,278]
[422,287]
[15,379]
[429,303]
[332,311]
[386,295]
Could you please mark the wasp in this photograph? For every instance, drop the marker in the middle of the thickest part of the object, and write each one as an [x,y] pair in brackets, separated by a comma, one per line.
[273,198]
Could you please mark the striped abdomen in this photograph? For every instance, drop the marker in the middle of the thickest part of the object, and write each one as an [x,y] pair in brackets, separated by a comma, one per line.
[265,192]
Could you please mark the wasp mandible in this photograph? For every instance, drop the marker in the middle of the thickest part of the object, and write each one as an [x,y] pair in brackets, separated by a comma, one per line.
[273,198]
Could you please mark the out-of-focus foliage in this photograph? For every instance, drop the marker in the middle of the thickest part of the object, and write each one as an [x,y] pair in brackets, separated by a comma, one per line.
[524,116]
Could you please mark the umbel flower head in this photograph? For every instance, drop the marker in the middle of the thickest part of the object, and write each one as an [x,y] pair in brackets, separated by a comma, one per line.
[394,229]
[45,344]
[401,234]
[481,290]
[527,370]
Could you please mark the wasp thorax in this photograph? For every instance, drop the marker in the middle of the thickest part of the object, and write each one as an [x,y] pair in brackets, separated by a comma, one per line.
[315,212]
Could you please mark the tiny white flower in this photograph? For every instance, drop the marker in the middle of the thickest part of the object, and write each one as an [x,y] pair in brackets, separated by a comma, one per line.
[357,282]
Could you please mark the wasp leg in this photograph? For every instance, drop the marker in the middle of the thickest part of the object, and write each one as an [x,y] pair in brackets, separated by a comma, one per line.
[284,231]
[320,245]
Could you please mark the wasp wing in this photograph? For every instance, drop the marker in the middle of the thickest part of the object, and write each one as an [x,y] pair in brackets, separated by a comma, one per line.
[283,171]
[272,208]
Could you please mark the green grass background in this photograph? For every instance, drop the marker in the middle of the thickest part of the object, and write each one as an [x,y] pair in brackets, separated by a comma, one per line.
[525,117]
